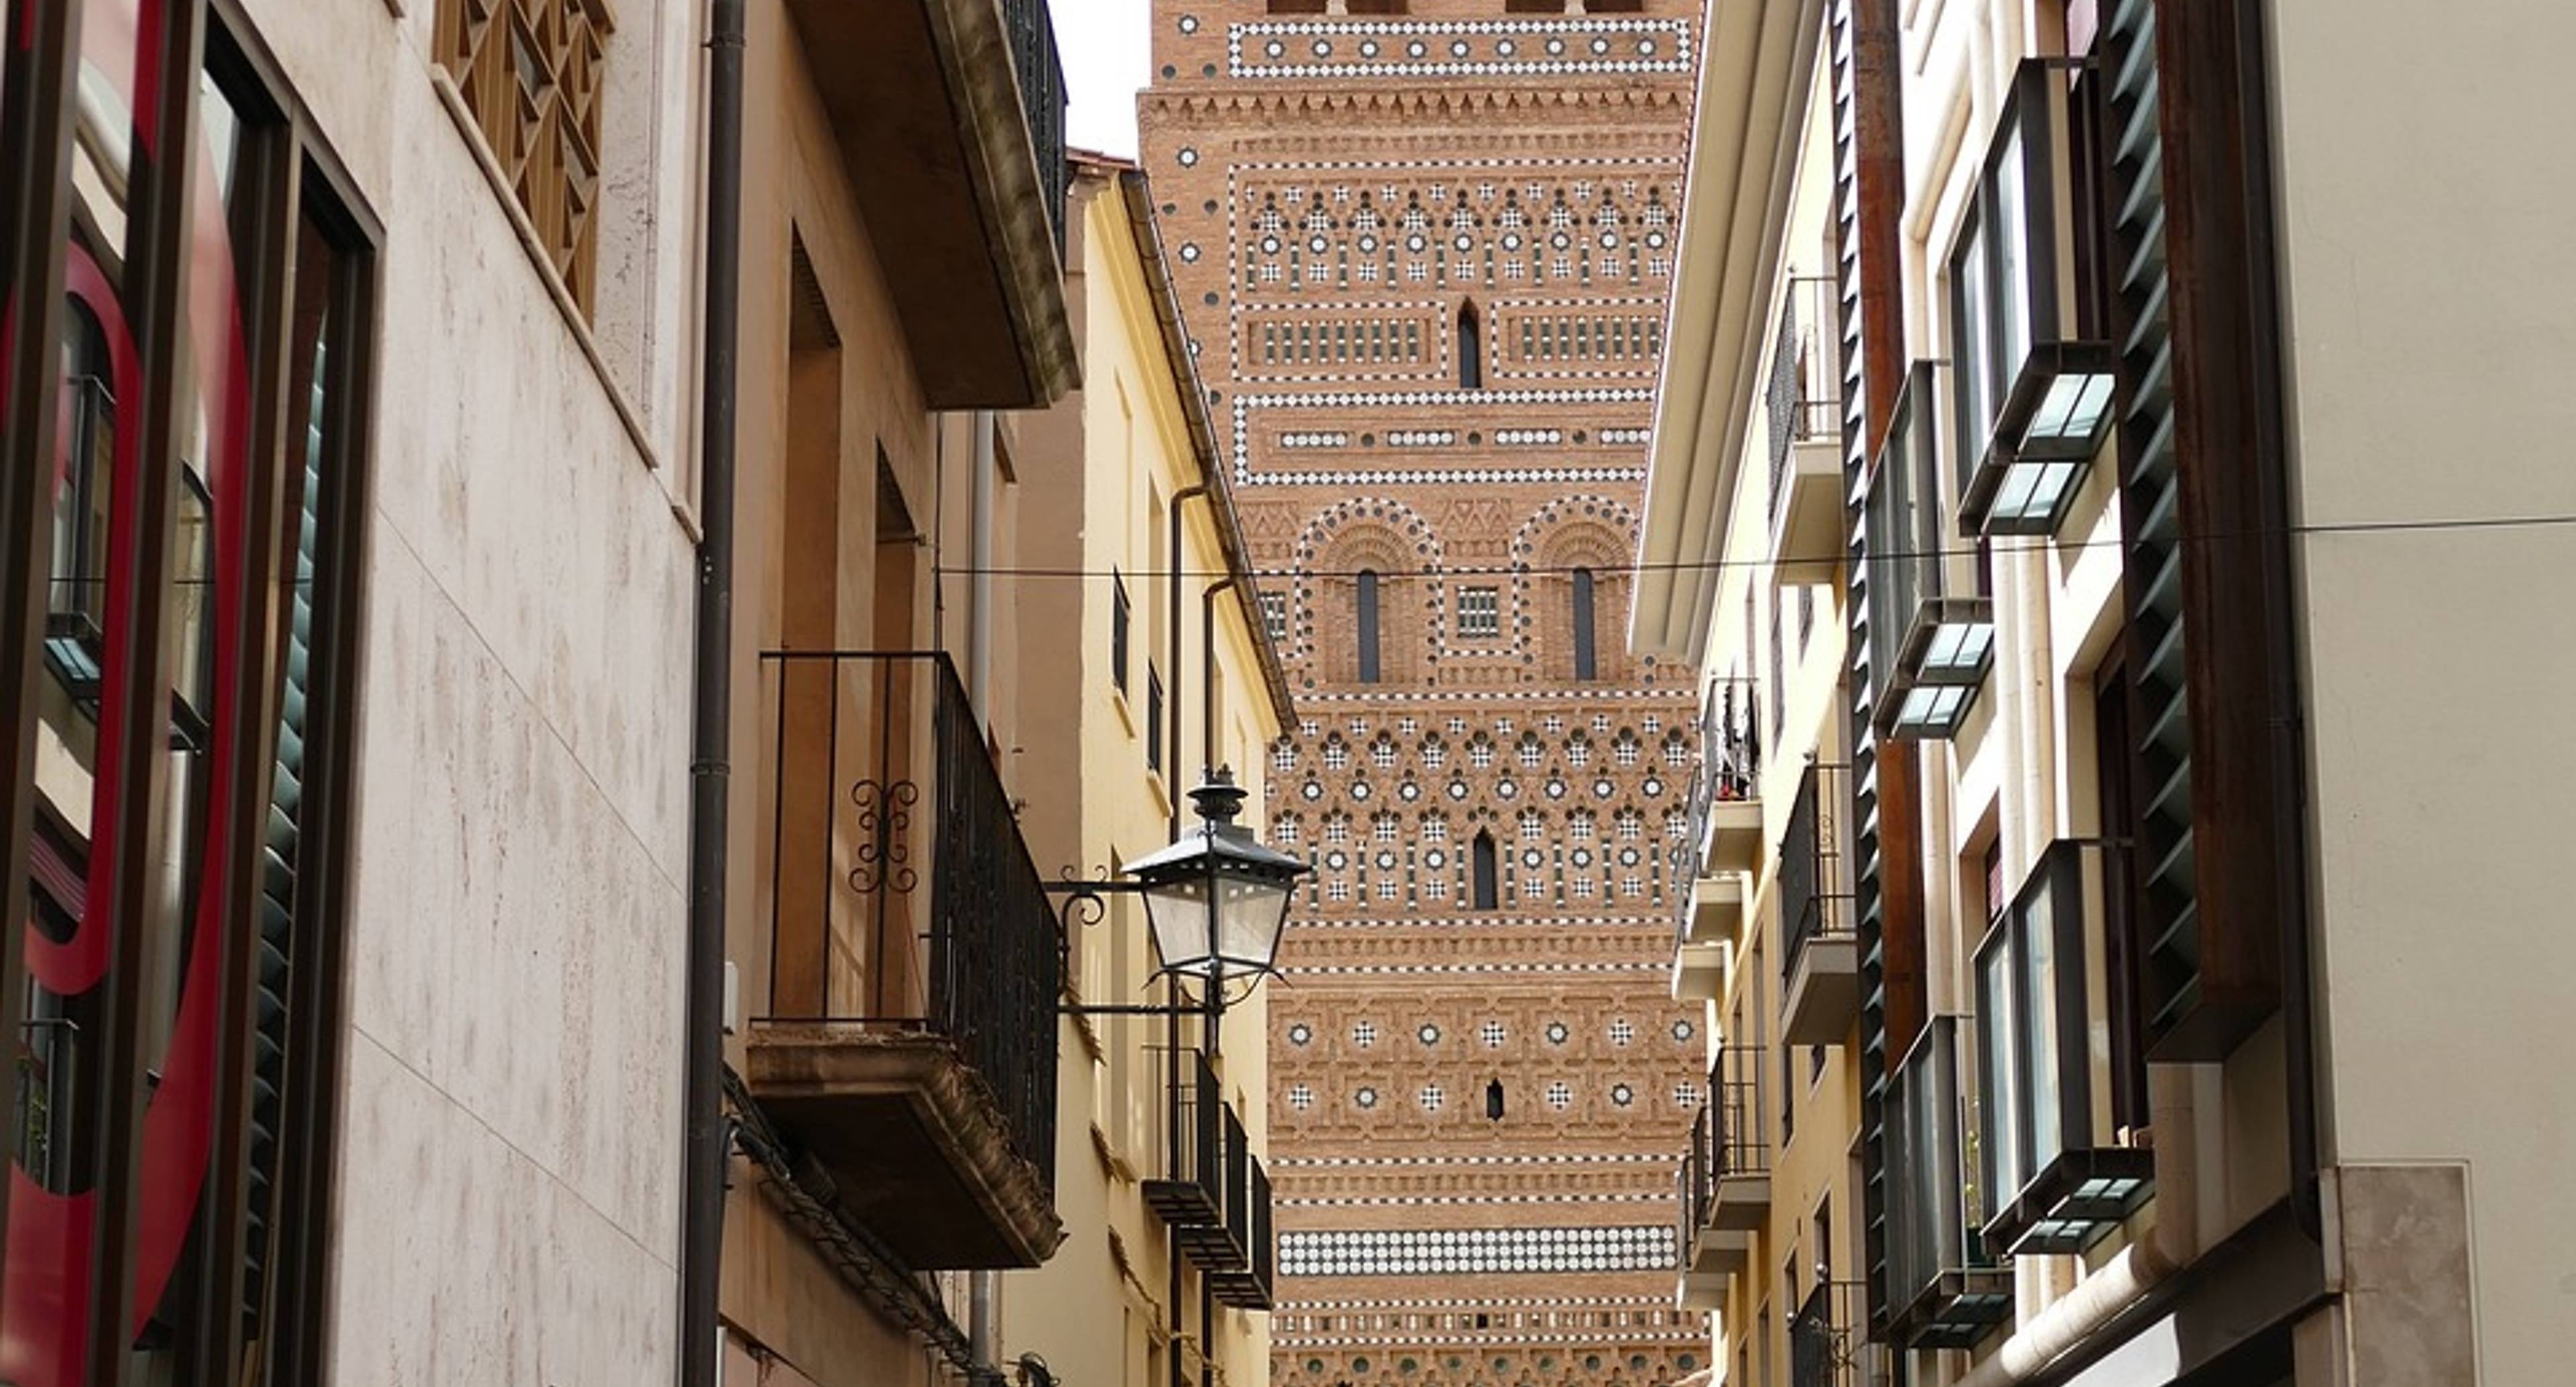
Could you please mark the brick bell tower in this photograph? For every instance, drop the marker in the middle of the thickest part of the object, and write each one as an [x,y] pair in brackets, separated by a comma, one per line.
[1423,248]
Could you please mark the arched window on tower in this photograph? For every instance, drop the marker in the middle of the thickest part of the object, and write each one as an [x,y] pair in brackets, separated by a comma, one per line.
[1586,666]
[1486,872]
[1366,623]
[1471,349]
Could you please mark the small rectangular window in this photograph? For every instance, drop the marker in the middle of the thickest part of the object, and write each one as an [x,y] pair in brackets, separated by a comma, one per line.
[1274,617]
[1480,613]
[1120,618]
[1153,719]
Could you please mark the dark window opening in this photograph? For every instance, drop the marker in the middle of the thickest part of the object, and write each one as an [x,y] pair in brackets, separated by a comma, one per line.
[1487,873]
[1366,626]
[1586,663]
[1120,617]
[1471,349]
[2114,752]
[1153,719]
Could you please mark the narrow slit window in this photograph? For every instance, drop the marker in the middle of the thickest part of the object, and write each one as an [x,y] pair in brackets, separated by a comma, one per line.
[1586,663]
[1486,871]
[1471,349]
[1365,600]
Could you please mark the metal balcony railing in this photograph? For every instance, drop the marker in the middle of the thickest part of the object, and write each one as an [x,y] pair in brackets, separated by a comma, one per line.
[1730,740]
[1825,1338]
[1192,1189]
[1815,895]
[1042,95]
[1738,1143]
[901,896]
[1799,398]
[1697,1182]
[1252,1285]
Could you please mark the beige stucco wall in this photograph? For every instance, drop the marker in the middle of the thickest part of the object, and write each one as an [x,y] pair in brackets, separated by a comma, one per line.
[1096,465]
[2426,312]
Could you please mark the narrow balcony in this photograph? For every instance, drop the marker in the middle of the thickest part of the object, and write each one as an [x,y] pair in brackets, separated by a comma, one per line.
[908,1039]
[1252,1286]
[1214,1193]
[1190,1192]
[1931,627]
[1827,1336]
[2061,1169]
[1699,970]
[1710,1255]
[1739,1146]
[1820,970]
[949,117]
[1943,1288]
[1714,911]
[2037,375]
[1806,493]
[1726,808]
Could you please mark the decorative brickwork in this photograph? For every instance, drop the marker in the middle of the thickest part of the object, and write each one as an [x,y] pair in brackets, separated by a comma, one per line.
[1423,261]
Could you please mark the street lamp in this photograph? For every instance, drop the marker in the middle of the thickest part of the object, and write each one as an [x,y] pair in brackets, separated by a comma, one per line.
[1216,900]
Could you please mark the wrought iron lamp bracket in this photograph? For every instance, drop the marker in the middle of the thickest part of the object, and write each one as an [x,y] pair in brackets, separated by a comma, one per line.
[1085,901]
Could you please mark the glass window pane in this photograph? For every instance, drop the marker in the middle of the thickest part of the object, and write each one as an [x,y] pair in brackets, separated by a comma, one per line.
[2012,297]
[2040,1018]
[1999,991]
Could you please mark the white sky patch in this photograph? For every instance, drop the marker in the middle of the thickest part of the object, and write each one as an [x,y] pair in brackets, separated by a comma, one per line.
[1107,46]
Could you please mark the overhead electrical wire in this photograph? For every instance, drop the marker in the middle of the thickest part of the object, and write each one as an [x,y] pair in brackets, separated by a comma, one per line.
[2354,527]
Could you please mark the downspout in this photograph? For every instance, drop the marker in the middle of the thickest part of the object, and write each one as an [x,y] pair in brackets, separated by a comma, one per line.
[1172,645]
[711,713]
[1207,670]
[979,561]
[982,1288]
[2129,1274]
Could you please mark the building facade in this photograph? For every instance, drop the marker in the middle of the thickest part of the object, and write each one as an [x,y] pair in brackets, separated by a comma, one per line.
[2089,437]
[1140,1294]
[344,1008]
[353,527]
[1422,252]
[896,1047]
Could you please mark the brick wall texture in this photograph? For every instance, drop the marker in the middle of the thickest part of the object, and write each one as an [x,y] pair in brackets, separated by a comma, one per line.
[1423,258]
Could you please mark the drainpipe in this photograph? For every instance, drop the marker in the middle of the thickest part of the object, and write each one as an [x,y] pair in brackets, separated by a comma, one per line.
[982,1289]
[1172,664]
[711,713]
[1207,671]
[979,559]
[2133,1271]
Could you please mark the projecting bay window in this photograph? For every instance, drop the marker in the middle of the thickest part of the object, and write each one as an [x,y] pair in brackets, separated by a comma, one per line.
[1931,640]
[1943,1289]
[2035,378]
[2057,1172]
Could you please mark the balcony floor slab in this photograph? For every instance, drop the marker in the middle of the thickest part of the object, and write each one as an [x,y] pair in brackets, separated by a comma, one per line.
[916,1148]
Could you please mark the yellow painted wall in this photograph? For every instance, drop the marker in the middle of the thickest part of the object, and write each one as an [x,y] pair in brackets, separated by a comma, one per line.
[1101,470]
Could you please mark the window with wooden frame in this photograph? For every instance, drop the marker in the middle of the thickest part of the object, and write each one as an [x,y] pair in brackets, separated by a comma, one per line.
[531,72]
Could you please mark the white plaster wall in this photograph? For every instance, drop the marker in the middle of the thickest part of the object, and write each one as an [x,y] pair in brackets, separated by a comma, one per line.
[510,1155]
[2431,320]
